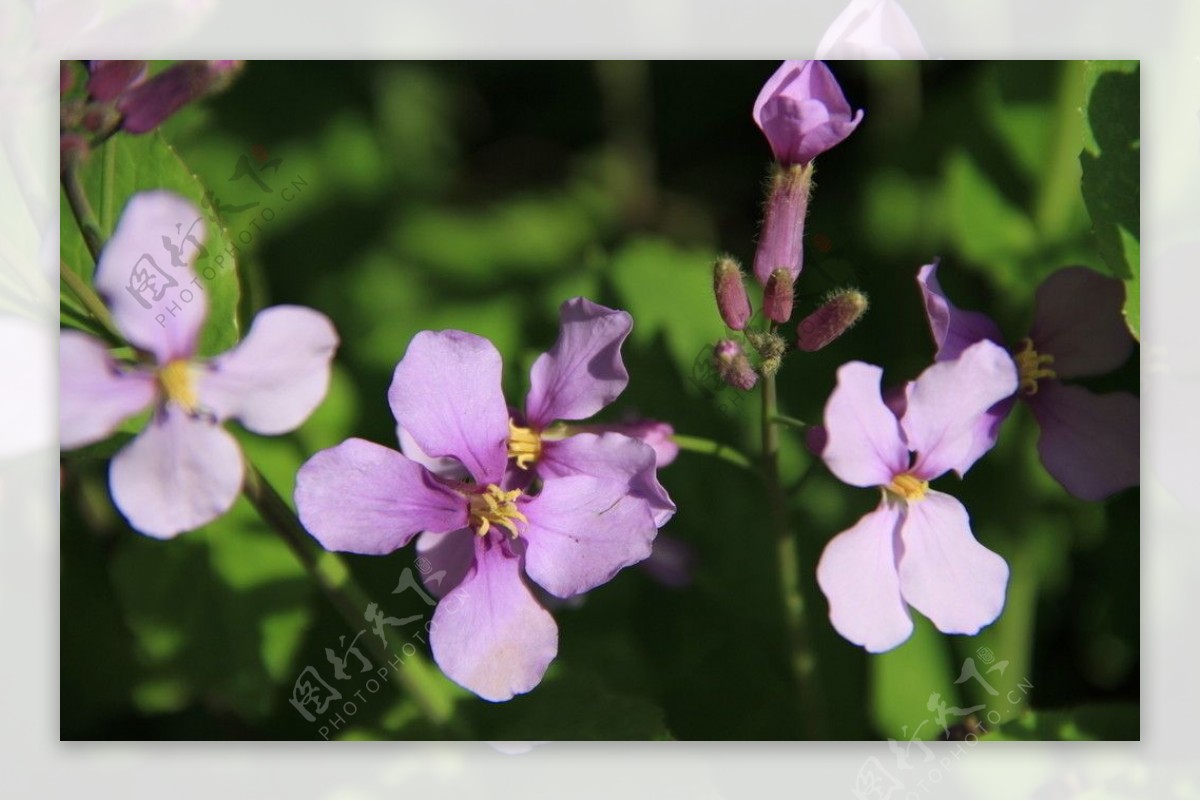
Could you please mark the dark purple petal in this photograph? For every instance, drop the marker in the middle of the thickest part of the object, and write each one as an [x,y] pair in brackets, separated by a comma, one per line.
[446,394]
[364,498]
[95,394]
[150,103]
[803,112]
[1090,443]
[857,574]
[1078,319]
[945,574]
[109,79]
[582,531]
[166,327]
[489,634]
[614,458]
[949,420]
[953,329]
[277,375]
[447,558]
[863,443]
[583,372]
[180,473]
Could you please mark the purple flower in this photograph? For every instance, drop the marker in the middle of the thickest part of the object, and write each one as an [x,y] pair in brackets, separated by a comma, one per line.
[183,470]
[916,548]
[1088,442]
[803,112]
[145,103]
[465,482]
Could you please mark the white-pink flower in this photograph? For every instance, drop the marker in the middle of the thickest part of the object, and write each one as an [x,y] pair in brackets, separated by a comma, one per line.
[916,548]
[184,469]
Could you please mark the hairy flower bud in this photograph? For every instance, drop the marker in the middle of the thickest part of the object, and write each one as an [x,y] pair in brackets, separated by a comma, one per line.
[732,302]
[835,317]
[148,104]
[780,242]
[733,366]
[777,297]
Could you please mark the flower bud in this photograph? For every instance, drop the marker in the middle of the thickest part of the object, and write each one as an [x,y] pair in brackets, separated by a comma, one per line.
[777,297]
[110,79]
[733,366]
[150,103]
[732,302]
[835,317]
[780,242]
[803,112]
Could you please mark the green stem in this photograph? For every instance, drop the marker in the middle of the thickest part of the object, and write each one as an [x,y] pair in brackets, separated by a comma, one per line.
[90,300]
[711,448]
[85,218]
[800,654]
[789,421]
[332,574]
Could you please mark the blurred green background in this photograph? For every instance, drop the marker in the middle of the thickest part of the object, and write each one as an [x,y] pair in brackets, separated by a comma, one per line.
[479,196]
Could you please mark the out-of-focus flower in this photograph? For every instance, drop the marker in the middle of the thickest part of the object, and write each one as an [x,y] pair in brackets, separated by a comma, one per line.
[916,548]
[121,94]
[1088,442]
[872,29]
[184,469]
[487,528]
[803,112]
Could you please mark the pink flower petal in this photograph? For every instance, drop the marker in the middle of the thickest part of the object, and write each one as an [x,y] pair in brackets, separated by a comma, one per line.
[168,327]
[857,574]
[442,466]
[1089,442]
[614,458]
[446,393]
[364,498]
[863,445]
[803,112]
[583,372]
[1079,319]
[95,394]
[945,574]
[953,329]
[489,634]
[180,473]
[277,375]
[947,420]
[448,556]
[582,531]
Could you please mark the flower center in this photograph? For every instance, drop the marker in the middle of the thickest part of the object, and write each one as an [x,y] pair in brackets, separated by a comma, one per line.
[1032,366]
[495,507]
[177,379]
[524,445]
[908,487]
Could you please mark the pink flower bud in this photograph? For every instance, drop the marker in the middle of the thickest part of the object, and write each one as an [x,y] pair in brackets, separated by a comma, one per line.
[732,302]
[803,112]
[778,296]
[780,242]
[733,366]
[148,104]
[835,317]
[110,79]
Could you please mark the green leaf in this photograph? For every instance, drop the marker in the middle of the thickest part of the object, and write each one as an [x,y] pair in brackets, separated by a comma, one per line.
[904,680]
[122,167]
[218,614]
[573,707]
[1092,722]
[1112,172]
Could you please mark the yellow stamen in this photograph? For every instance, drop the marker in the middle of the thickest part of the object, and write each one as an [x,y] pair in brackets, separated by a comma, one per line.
[1032,366]
[908,487]
[524,445]
[494,506]
[177,379]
